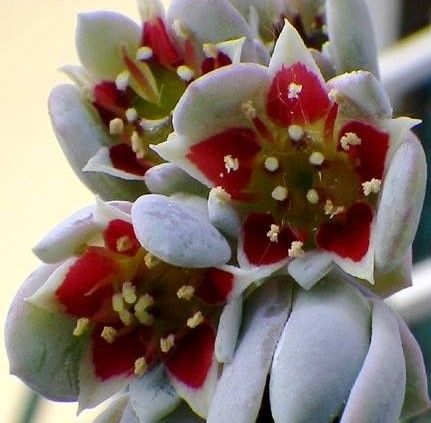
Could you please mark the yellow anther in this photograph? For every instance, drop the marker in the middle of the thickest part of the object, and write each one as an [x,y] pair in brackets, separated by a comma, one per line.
[138,145]
[348,139]
[210,50]
[151,261]
[331,210]
[116,126]
[129,293]
[144,302]
[195,320]
[166,344]
[180,29]
[109,334]
[231,163]
[333,94]
[122,80]
[185,73]
[296,132]
[279,193]
[372,187]
[81,326]
[144,318]
[316,158]
[221,194]
[273,232]
[294,90]
[144,53]
[312,196]
[126,317]
[248,110]
[295,249]
[186,292]
[117,302]
[131,114]
[271,164]
[124,243]
[141,366]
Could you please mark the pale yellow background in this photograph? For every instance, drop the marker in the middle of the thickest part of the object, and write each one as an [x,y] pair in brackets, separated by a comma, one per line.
[37,186]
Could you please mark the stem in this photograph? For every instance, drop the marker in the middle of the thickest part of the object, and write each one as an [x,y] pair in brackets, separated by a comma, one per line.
[31,408]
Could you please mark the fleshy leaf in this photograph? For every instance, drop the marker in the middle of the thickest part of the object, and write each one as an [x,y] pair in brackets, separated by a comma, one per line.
[100,37]
[400,204]
[241,386]
[378,393]
[41,348]
[80,134]
[351,35]
[320,353]
[176,236]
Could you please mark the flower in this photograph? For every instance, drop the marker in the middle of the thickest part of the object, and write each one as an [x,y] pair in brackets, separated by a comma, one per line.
[309,166]
[333,353]
[106,312]
[132,78]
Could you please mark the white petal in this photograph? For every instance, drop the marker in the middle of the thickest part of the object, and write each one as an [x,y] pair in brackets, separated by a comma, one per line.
[101,162]
[115,410]
[100,36]
[67,237]
[222,214]
[310,268]
[400,204]
[240,388]
[105,212]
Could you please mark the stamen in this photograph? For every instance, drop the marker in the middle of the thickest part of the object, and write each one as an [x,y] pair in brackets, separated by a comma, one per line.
[138,146]
[81,326]
[117,302]
[372,187]
[271,164]
[129,293]
[279,193]
[186,292]
[195,320]
[333,95]
[126,317]
[331,210]
[109,334]
[231,163]
[210,50]
[144,302]
[124,243]
[295,249]
[144,53]
[294,90]
[248,110]
[151,261]
[131,114]
[141,366]
[272,234]
[166,344]
[122,80]
[180,29]
[296,133]
[144,318]
[185,73]
[116,126]
[312,196]
[221,194]
[316,158]
[348,139]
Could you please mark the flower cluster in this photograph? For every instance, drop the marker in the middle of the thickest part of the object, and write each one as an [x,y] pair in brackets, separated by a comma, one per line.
[256,201]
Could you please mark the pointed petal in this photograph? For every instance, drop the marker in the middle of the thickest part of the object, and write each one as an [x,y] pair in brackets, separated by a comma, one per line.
[227,331]
[417,399]
[80,134]
[351,35]
[222,213]
[400,204]
[360,94]
[102,162]
[310,268]
[105,212]
[167,179]
[100,36]
[176,236]
[240,388]
[378,393]
[114,412]
[152,397]
[192,368]
[67,237]
[181,414]
[40,345]
[320,353]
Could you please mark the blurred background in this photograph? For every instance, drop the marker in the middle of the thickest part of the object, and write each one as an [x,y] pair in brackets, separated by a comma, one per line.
[38,189]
